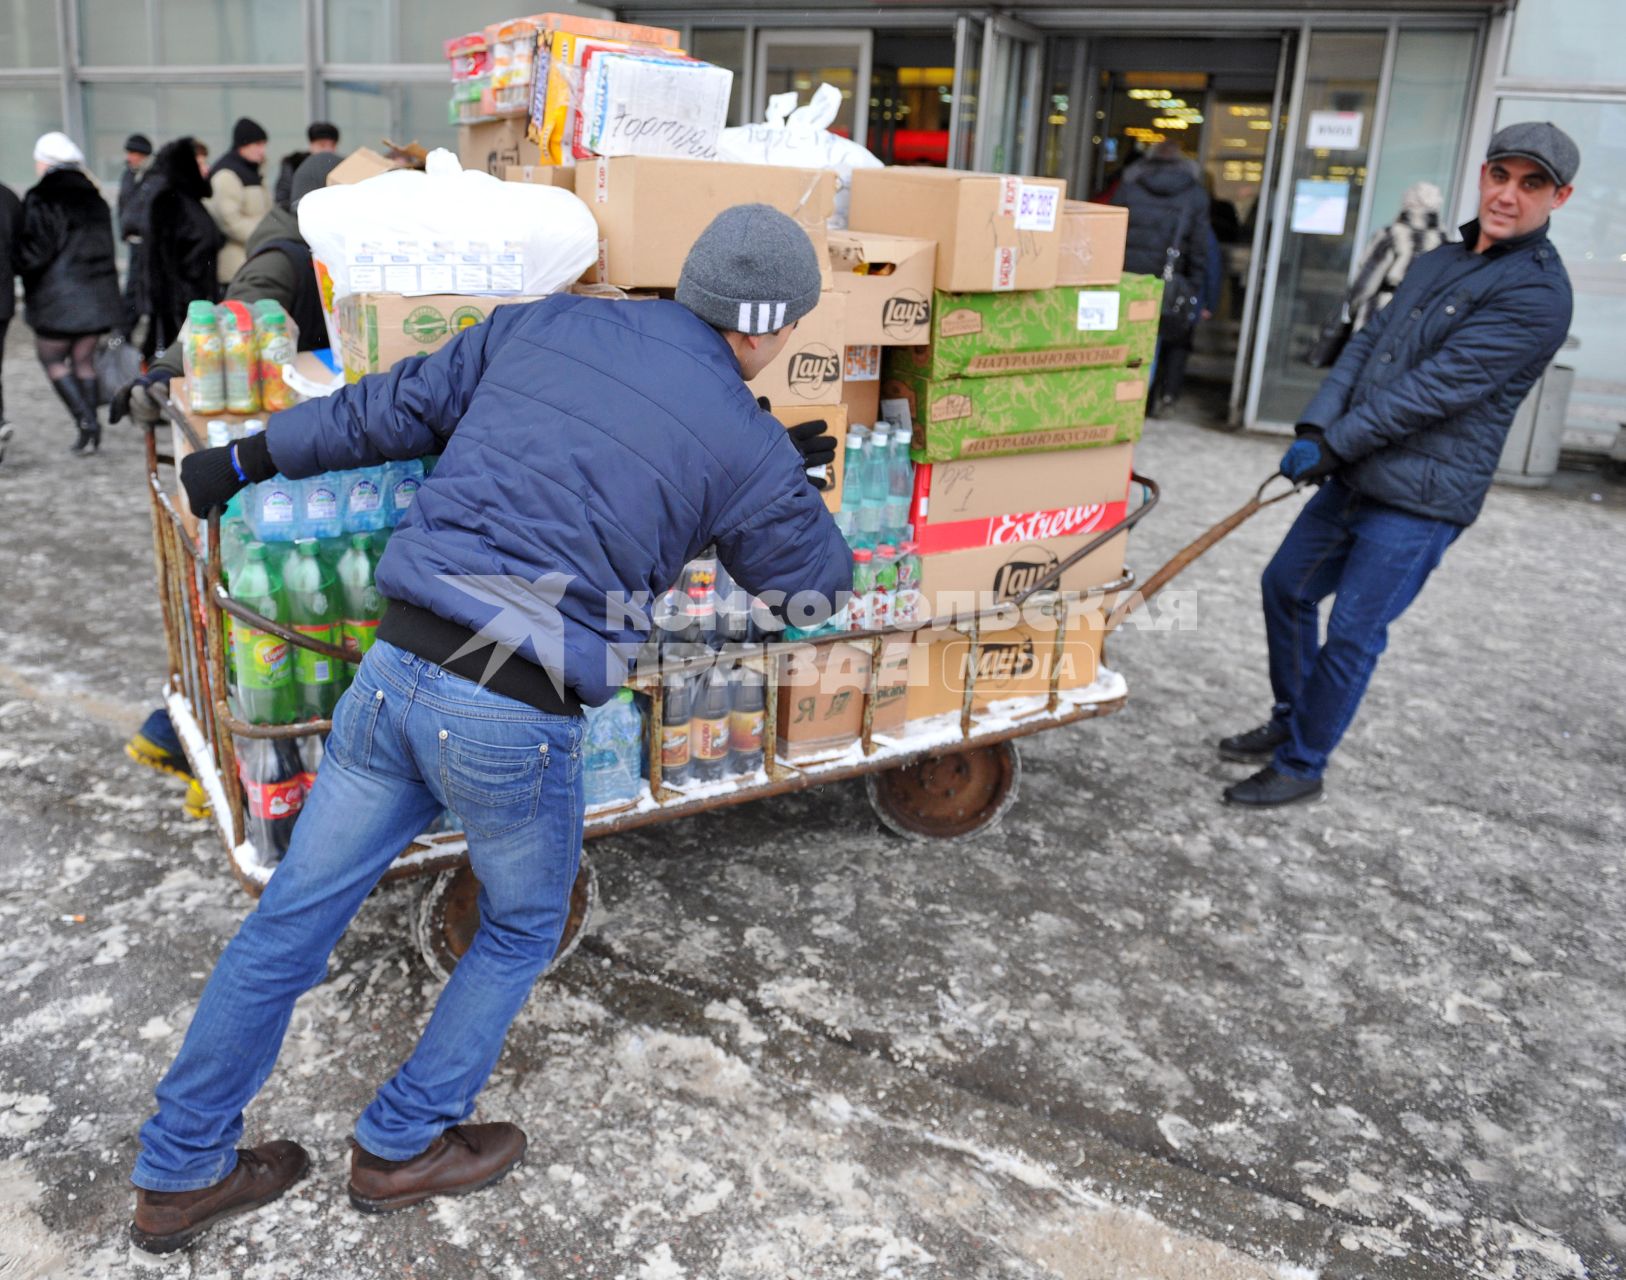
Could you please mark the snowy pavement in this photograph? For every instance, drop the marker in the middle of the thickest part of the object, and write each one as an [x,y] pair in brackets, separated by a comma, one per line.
[1130,1034]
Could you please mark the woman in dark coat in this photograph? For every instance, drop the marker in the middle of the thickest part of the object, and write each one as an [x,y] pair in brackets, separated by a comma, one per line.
[11,211]
[184,241]
[64,254]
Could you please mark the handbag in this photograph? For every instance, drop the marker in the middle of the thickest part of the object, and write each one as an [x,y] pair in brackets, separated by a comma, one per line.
[1329,342]
[1180,299]
[118,363]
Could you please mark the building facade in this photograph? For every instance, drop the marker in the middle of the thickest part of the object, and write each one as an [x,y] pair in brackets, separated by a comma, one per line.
[1308,120]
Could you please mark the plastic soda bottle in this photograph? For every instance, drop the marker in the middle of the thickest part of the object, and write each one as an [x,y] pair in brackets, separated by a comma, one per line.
[858,611]
[264,666]
[241,360]
[885,592]
[274,785]
[363,605]
[747,718]
[202,359]
[676,715]
[274,347]
[909,603]
[313,610]
[900,486]
[872,486]
[711,726]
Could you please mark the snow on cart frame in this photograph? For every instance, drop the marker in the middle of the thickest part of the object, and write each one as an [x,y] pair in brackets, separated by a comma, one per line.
[943,777]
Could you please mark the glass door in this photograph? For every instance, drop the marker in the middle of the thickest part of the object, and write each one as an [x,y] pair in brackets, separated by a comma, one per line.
[1008,132]
[803,60]
[1318,212]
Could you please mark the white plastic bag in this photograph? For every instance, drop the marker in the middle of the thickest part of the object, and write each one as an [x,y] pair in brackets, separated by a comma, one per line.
[446,230]
[799,137]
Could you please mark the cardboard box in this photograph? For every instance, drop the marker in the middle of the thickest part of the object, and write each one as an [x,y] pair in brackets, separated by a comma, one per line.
[836,418]
[492,145]
[808,370]
[1013,663]
[987,502]
[1092,243]
[888,283]
[1023,413]
[557,90]
[378,329]
[358,166]
[993,231]
[861,396]
[957,584]
[546,175]
[992,334]
[821,696]
[650,210]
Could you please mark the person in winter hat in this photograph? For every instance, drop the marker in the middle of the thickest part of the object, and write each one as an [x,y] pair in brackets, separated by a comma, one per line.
[241,197]
[1403,439]
[64,254]
[589,448]
[183,243]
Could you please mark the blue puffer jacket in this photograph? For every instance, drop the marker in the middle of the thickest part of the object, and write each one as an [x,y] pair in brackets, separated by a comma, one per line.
[1419,404]
[605,442]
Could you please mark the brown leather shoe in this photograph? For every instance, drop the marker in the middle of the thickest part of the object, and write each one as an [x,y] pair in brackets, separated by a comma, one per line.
[467,1157]
[169,1220]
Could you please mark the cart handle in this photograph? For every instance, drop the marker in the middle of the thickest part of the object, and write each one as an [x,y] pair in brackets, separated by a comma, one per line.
[1154,494]
[1195,549]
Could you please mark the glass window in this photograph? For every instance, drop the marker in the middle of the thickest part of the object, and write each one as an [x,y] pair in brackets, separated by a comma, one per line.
[726,48]
[1324,196]
[791,61]
[911,94]
[426,25]
[28,34]
[968,58]
[1590,232]
[1572,41]
[208,111]
[112,113]
[363,110]
[1422,133]
[361,31]
[24,115]
[114,33]
[228,32]
[423,115]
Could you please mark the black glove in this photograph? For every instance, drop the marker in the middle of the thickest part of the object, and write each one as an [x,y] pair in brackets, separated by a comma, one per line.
[212,477]
[817,446]
[135,398]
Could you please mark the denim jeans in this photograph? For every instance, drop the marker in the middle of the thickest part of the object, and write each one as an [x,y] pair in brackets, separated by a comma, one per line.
[408,740]
[1373,559]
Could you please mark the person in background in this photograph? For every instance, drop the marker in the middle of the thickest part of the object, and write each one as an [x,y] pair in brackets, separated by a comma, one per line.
[184,245]
[1403,438]
[240,198]
[64,254]
[135,199]
[1174,352]
[278,267]
[10,224]
[321,138]
[1391,252]
[1169,235]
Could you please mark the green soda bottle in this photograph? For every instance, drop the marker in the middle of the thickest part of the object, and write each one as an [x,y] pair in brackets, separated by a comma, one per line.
[264,667]
[313,608]
[363,606]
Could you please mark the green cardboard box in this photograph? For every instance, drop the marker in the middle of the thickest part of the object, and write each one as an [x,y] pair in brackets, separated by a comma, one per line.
[1021,413]
[977,335]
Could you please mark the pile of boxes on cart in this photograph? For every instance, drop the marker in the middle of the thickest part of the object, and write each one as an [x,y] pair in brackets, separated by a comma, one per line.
[985,318]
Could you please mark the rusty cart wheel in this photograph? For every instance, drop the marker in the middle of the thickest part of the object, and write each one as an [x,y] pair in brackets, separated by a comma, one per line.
[949,796]
[448,913]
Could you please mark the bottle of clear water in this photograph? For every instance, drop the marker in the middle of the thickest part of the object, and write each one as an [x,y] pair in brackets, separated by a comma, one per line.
[611,750]
[852,460]
[321,506]
[362,501]
[402,480]
[872,488]
[900,487]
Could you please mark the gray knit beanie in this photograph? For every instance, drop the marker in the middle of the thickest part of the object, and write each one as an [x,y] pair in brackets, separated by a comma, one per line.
[753,270]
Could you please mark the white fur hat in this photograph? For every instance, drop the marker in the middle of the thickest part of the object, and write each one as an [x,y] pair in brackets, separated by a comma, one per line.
[57,148]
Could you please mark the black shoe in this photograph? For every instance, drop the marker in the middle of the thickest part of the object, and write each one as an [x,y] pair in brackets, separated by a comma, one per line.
[1255,744]
[69,391]
[1268,789]
[87,394]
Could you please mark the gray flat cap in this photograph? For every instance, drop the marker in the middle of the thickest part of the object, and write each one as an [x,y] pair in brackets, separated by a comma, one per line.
[753,270]
[1541,142]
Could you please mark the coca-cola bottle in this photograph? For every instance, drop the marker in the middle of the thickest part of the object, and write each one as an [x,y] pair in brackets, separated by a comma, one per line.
[274,786]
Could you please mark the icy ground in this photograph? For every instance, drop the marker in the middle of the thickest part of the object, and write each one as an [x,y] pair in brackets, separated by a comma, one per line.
[1130,1035]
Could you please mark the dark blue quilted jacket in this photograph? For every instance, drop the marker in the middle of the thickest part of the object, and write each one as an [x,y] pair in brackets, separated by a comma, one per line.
[597,444]
[1419,404]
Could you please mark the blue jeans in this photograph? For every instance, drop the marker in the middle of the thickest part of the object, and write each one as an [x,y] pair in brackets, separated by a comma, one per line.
[408,740]
[1374,560]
